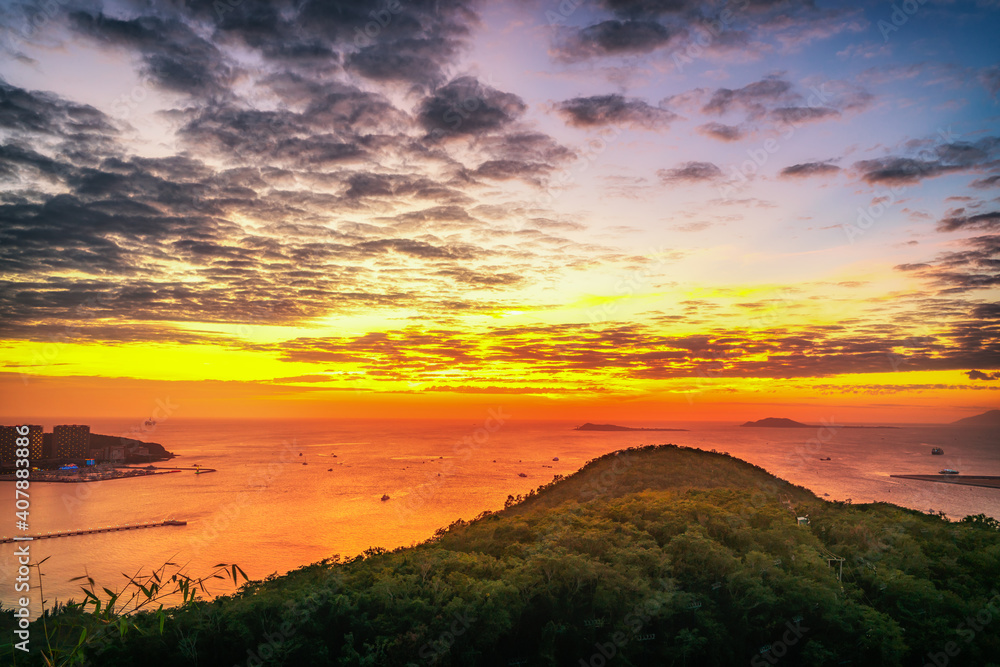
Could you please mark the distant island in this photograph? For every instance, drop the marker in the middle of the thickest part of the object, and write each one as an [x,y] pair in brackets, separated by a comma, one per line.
[989,419]
[614,427]
[777,422]
[783,422]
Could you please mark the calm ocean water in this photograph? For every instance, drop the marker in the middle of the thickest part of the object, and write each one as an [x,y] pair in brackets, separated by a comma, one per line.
[269,513]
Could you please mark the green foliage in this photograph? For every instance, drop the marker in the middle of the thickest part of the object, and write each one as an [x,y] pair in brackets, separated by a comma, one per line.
[664,556]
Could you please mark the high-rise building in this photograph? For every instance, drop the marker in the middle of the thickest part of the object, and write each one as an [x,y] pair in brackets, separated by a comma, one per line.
[70,441]
[8,442]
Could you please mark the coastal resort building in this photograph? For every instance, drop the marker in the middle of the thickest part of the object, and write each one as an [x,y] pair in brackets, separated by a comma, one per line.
[71,441]
[8,442]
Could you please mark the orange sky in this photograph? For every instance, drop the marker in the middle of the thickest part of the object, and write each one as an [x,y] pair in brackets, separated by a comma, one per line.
[582,219]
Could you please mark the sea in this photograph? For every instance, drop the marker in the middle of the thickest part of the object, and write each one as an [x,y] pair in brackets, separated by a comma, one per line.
[287,493]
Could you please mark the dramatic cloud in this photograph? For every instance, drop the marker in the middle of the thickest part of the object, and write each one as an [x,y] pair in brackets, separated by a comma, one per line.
[613,37]
[466,106]
[810,169]
[939,160]
[982,221]
[614,110]
[979,375]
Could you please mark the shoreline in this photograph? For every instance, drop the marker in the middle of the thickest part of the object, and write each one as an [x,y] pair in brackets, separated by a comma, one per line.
[78,480]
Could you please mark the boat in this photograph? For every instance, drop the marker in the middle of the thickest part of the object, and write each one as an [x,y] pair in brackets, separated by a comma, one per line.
[385,497]
[555,458]
[947,471]
[150,422]
[937,451]
[521,474]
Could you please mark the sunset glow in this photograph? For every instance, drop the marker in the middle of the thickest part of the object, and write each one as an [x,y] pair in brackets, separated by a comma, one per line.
[637,211]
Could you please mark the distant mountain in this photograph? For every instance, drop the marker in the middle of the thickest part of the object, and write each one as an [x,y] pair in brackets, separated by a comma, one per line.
[614,427]
[777,422]
[782,422]
[990,418]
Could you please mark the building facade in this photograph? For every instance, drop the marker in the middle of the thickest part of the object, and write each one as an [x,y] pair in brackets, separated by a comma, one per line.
[71,441]
[8,442]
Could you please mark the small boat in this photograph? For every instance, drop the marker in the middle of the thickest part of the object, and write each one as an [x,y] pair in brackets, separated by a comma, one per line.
[826,459]
[150,422]
[555,458]
[385,497]
[521,474]
[947,471]
[329,469]
[937,451]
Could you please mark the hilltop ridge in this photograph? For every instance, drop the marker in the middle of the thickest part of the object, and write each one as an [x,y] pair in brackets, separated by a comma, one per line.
[659,555]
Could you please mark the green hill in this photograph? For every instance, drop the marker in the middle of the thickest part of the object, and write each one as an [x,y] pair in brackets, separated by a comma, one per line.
[651,556]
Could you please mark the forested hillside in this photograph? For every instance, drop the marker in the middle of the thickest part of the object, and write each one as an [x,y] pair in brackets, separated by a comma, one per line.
[651,556]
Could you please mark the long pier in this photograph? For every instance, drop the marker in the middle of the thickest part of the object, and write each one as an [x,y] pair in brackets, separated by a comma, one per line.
[92,531]
[988,481]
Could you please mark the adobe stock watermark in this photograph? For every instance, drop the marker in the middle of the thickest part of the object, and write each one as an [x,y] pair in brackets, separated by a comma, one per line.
[437,649]
[636,620]
[740,176]
[770,654]
[564,10]
[630,284]
[967,630]
[706,32]
[886,198]
[462,450]
[825,434]
[899,17]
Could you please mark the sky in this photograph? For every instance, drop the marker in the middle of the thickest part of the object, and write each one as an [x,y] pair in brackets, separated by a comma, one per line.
[587,209]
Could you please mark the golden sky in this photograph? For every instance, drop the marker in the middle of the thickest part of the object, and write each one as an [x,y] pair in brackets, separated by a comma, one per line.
[630,210]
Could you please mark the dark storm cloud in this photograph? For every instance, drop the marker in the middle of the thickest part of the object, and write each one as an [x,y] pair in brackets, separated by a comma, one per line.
[47,114]
[690,172]
[466,106]
[975,267]
[900,170]
[979,375]
[340,123]
[613,37]
[413,60]
[981,221]
[810,169]
[637,27]
[174,55]
[722,132]
[986,183]
[614,110]
[930,162]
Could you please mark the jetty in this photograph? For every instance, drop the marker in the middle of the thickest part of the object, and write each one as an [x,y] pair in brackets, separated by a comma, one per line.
[988,481]
[92,531]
